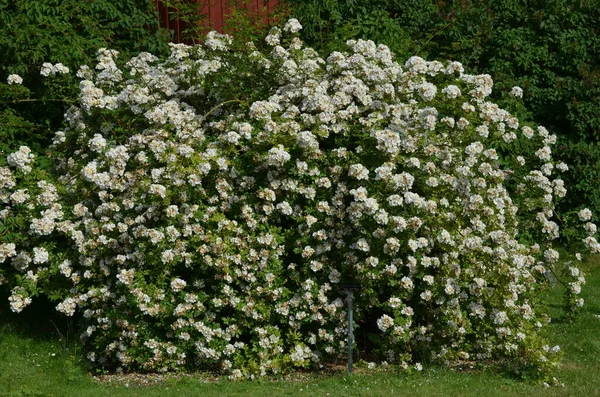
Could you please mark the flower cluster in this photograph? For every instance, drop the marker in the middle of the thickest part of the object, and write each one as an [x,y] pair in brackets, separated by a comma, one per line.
[203,229]
[49,69]
[21,160]
[14,79]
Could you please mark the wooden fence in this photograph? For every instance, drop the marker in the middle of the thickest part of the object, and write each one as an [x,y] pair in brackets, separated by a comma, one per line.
[212,14]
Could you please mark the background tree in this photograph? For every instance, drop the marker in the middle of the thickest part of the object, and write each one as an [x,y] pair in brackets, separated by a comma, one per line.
[68,32]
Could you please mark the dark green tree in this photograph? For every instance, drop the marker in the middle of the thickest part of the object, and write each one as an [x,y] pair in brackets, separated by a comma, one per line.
[61,31]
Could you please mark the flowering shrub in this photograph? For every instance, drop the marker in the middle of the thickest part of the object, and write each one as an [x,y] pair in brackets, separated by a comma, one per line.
[206,208]
[519,43]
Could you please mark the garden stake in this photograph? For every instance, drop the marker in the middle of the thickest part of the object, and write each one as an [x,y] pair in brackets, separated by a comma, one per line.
[350,330]
[349,289]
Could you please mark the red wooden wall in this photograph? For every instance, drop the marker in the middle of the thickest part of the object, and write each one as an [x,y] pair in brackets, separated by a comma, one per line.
[213,14]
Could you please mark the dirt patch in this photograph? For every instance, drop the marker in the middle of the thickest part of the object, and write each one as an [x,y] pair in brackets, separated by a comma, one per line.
[142,380]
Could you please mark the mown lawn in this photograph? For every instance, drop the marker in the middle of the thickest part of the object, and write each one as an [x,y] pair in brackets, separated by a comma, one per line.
[36,359]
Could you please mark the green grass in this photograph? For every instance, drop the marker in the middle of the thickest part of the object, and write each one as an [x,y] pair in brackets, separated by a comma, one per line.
[44,362]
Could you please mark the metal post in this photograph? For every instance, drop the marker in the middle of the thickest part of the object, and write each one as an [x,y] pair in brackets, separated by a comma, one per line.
[349,289]
[350,331]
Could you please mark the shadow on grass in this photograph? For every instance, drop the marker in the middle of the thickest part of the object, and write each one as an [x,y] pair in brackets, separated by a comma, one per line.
[39,321]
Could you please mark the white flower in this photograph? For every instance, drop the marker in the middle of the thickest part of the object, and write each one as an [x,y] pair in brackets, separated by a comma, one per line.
[413,245]
[47,69]
[40,255]
[97,143]
[402,181]
[483,131]
[462,123]
[172,211]
[292,26]
[285,208]
[385,322]
[392,245]
[517,92]
[14,79]
[84,72]
[335,276]
[21,159]
[178,284]
[273,37]
[542,131]
[407,311]
[544,153]
[590,228]
[499,317]
[389,142]
[454,67]
[574,271]
[363,245]
[60,68]
[449,288]
[167,256]
[426,295]
[18,303]
[217,41]
[585,215]
[50,70]
[562,166]
[416,64]
[474,148]
[394,302]
[395,200]
[262,110]
[406,283]
[65,268]
[7,251]
[67,306]
[358,171]
[575,288]
[551,255]
[159,190]
[451,91]
[277,156]
[527,132]
[427,91]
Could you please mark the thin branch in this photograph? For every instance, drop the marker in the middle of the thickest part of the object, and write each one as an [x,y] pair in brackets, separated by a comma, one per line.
[220,105]
[25,126]
[434,35]
[557,278]
[38,100]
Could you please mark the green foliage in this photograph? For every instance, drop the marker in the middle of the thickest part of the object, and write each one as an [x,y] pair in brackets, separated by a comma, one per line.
[33,32]
[327,24]
[190,16]
[375,23]
[241,20]
[246,25]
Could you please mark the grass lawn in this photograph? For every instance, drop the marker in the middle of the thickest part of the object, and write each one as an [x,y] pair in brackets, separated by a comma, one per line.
[44,362]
